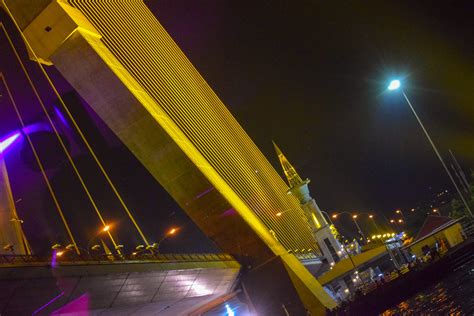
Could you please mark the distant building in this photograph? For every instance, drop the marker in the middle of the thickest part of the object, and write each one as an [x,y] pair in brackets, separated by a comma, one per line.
[437,229]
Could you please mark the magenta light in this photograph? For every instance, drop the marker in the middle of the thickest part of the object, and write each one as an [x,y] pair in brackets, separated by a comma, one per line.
[8,141]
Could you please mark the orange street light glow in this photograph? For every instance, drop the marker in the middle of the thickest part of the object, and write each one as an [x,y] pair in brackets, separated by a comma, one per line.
[172,231]
[59,253]
[354,216]
[106,228]
[392,221]
[334,216]
[435,210]
[397,211]
[400,220]
[371,216]
[278,214]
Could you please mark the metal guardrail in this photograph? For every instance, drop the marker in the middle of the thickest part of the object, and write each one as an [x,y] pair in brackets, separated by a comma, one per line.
[103,258]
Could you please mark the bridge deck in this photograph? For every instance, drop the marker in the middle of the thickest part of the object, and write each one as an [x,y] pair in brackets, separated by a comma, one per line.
[164,283]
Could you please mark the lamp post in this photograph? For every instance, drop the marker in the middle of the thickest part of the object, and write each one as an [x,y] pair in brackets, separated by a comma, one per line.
[354,217]
[395,85]
[399,211]
[373,221]
[169,233]
[104,229]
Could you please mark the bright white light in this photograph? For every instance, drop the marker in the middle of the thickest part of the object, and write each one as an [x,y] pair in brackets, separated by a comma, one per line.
[229,311]
[4,144]
[394,85]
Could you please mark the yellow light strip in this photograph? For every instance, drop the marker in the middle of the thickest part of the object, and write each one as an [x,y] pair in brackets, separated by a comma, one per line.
[146,51]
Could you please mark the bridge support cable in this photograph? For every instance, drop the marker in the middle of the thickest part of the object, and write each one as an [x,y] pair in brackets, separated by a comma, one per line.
[40,165]
[81,134]
[61,142]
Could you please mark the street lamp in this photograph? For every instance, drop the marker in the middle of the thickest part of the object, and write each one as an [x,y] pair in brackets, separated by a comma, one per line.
[395,85]
[399,211]
[169,233]
[373,221]
[104,229]
[354,217]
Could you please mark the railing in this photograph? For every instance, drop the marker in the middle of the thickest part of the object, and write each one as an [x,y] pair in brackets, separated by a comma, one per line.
[103,258]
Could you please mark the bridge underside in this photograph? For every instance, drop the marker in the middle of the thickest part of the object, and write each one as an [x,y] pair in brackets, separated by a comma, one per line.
[111,288]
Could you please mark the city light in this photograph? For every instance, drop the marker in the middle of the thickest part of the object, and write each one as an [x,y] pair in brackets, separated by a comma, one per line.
[172,231]
[400,220]
[59,253]
[354,216]
[228,310]
[435,210]
[371,216]
[278,214]
[106,228]
[397,211]
[392,221]
[334,216]
[394,85]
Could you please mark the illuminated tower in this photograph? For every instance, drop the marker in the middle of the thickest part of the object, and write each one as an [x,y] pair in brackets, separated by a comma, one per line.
[321,229]
[120,59]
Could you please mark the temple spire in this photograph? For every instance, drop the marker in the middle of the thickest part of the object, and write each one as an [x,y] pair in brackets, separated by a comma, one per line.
[293,178]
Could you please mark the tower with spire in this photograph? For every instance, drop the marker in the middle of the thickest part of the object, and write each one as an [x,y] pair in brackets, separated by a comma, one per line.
[298,187]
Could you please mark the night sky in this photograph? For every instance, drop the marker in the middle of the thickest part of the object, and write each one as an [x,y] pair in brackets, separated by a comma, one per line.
[311,75]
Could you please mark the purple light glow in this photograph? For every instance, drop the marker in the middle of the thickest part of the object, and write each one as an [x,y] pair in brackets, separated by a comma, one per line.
[61,116]
[47,304]
[8,141]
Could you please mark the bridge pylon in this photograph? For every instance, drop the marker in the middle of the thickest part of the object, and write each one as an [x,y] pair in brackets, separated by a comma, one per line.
[124,64]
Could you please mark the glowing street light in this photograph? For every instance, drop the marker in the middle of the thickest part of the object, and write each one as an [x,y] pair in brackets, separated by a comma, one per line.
[105,229]
[172,231]
[354,217]
[400,221]
[395,85]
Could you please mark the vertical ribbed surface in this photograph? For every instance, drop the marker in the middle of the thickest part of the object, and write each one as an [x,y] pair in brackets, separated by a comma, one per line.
[140,43]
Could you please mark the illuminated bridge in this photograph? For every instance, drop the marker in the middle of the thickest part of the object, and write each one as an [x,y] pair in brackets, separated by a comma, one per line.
[129,71]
